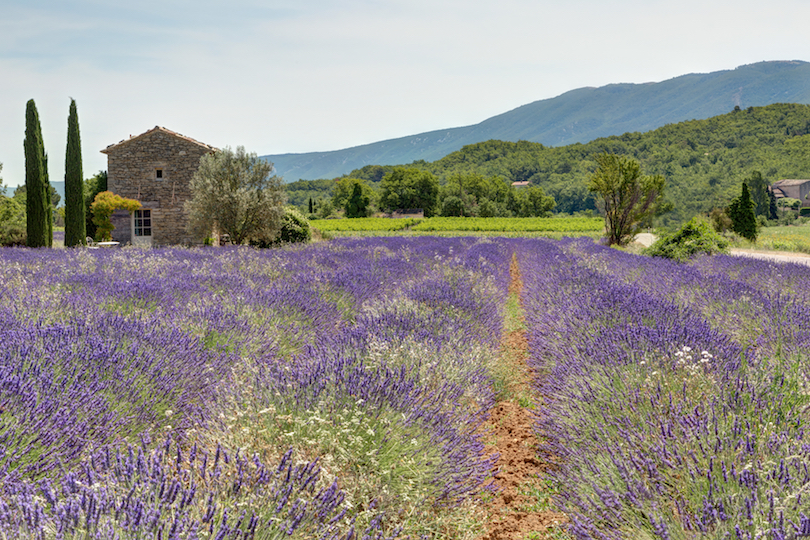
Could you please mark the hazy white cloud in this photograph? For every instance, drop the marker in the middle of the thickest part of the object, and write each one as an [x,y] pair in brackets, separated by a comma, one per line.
[298,76]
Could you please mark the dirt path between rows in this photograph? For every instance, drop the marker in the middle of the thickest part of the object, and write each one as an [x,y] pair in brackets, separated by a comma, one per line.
[520,508]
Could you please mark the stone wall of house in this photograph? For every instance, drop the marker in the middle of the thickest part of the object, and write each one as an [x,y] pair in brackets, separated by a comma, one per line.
[132,172]
[804,194]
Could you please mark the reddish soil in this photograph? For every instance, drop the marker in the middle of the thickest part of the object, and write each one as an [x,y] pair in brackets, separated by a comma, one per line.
[515,511]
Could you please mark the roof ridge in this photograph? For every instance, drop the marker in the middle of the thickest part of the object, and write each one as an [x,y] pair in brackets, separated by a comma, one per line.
[154,129]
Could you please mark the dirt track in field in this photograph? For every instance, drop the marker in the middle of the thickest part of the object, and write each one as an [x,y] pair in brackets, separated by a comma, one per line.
[776,256]
[520,508]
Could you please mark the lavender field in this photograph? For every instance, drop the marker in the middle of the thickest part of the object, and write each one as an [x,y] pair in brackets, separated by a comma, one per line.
[338,390]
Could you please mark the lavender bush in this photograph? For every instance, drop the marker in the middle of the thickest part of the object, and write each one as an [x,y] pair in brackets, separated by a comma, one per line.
[278,375]
[337,390]
[676,394]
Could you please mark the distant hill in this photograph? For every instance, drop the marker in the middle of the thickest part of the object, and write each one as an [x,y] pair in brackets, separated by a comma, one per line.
[703,161]
[60,189]
[58,186]
[580,116]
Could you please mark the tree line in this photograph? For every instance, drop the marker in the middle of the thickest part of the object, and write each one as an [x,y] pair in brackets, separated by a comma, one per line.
[703,162]
[468,194]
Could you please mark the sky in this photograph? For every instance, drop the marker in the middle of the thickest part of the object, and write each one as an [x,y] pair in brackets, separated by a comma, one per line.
[278,76]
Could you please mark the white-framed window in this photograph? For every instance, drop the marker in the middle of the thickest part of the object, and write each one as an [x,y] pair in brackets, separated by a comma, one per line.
[159,174]
[143,222]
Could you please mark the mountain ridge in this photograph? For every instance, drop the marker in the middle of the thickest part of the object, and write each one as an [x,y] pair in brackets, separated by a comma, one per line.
[579,115]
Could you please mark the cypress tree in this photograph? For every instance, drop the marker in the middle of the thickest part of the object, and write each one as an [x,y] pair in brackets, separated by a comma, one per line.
[36,197]
[75,228]
[772,209]
[742,214]
[758,188]
[357,203]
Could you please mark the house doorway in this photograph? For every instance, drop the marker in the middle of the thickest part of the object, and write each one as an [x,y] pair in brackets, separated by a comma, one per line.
[142,227]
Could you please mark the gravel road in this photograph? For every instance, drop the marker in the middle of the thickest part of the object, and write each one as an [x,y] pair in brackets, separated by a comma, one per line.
[777,256]
[646,239]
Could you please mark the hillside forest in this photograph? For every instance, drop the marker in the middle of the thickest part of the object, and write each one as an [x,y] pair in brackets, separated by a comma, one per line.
[704,163]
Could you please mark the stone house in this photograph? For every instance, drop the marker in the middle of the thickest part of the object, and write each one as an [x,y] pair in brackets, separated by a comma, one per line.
[794,189]
[154,168]
[412,213]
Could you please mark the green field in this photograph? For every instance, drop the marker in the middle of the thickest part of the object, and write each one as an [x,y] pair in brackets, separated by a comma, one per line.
[362,224]
[783,238]
[535,224]
[457,226]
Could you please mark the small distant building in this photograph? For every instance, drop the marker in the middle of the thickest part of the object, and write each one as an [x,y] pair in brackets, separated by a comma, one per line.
[414,213]
[154,168]
[794,189]
[520,184]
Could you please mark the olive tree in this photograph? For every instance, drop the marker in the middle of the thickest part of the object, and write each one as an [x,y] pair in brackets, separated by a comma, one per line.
[235,193]
[629,198]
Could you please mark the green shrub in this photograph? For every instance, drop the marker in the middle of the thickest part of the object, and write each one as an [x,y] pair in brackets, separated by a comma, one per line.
[695,237]
[294,227]
[788,202]
[720,220]
[12,222]
[804,212]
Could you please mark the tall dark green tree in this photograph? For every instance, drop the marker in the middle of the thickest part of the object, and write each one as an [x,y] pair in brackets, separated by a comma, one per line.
[75,229]
[357,205]
[743,216]
[38,212]
[758,188]
[772,209]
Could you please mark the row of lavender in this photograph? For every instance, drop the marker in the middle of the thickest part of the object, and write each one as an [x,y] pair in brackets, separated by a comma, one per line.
[675,395]
[243,393]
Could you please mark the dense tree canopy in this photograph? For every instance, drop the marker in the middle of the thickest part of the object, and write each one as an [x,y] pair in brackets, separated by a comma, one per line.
[344,191]
[409,188]
[301,191]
